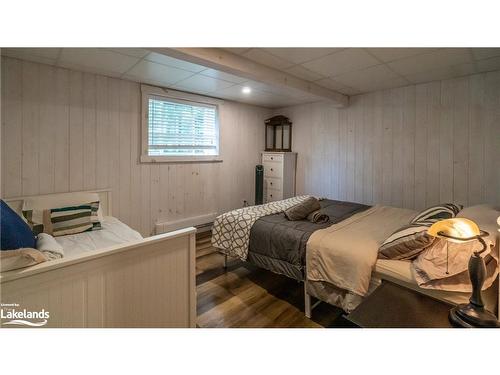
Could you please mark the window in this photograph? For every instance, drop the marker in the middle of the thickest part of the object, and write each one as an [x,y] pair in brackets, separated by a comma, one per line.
[179,129]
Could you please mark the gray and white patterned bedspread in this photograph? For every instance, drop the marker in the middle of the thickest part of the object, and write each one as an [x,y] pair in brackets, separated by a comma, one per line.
[231,230]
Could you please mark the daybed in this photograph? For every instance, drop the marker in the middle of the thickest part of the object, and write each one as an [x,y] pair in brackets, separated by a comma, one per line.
[110,277]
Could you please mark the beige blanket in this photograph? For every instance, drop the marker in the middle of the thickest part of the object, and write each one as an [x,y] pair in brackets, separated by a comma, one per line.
[344,254]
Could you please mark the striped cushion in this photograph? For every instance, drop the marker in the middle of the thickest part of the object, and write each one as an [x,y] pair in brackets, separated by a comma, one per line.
[438,212]
[407,242]
[65,220]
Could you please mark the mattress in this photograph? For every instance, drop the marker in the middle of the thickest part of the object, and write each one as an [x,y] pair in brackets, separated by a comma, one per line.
[279,245]
[113,232]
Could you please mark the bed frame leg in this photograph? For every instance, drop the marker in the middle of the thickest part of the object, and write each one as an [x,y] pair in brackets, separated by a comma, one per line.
[307,302]
[225,261]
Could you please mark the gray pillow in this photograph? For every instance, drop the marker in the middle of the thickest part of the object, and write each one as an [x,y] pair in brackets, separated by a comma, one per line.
[302,210]
[407,242]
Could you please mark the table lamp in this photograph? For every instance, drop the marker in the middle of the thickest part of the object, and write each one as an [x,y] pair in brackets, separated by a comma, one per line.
[459,230]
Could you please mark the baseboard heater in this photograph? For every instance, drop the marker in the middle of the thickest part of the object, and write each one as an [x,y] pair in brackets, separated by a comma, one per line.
[203,223]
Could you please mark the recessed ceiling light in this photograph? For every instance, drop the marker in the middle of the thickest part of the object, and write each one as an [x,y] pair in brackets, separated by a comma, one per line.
[246,90]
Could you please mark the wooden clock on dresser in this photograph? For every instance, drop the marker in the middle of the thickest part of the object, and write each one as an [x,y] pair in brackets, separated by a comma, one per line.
[279,175]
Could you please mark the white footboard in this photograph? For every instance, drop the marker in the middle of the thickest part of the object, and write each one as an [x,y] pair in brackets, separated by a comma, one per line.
[150,283]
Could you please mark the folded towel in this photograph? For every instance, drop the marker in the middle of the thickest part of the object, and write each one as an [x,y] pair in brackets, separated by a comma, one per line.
[318,218]
[301,210]
[49,246]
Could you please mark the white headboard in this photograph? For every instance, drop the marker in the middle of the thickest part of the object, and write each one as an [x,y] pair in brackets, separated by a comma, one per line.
[104,200]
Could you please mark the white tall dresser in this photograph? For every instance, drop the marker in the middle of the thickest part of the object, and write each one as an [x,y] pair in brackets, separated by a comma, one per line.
[279,175]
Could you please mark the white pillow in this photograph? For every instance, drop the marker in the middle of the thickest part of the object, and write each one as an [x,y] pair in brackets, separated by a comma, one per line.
[61,200]
[431,265]
[486,217]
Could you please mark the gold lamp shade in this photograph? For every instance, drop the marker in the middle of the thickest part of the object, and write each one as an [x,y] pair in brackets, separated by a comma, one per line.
[455,230]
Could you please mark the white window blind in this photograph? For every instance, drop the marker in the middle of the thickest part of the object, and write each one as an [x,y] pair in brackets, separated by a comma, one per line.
[181,128]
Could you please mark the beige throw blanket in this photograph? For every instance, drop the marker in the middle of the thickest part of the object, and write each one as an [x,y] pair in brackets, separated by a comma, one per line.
[344,254]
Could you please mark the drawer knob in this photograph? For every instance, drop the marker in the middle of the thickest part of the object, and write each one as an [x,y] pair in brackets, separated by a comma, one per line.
[272,158]
[271,169]
[271,195]
[271,183]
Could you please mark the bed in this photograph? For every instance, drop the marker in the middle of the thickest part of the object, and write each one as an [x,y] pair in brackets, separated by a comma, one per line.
[110,277]
[279,245]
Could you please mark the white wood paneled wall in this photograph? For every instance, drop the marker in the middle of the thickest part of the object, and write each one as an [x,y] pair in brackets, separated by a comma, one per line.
[65,130]
[408,147]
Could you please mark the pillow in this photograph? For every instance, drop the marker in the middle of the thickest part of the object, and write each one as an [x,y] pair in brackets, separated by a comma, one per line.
[66,220]
[407,242]
[430,265]
[444,265]
[62,200]
[302,210]
[14,232]
[485,216]
[438,212]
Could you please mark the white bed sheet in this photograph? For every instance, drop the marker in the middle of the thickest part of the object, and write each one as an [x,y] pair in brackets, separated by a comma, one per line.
[113,232]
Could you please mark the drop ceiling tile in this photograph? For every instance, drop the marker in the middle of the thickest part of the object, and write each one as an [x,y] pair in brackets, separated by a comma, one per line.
[391,54]
[96,60]
[262,57]
[261,98]
[301,55]
[150,71]
[330,83]
[238,51]
[134,52]
[223,75]
[431,61]
[175,63]
[275,89]
[370,79]
[303,73]
[342,62]
[260,86]
[485,53]
[489,64]
[236,93]
[446,72]
[199,82]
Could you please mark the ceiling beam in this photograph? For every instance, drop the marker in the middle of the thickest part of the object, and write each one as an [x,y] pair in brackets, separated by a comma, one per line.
[228,62]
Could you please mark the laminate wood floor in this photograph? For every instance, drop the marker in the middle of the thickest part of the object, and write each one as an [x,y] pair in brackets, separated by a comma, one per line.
[246,296]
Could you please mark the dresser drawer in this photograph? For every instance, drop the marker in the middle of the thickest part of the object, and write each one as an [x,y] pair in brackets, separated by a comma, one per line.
[273,169]
[272,157]
[273,183]
[273,195]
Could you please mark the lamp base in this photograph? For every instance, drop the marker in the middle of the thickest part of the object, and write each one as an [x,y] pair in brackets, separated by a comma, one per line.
[470,316]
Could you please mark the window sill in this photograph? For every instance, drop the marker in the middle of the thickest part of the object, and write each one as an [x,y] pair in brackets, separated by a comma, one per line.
[180,159]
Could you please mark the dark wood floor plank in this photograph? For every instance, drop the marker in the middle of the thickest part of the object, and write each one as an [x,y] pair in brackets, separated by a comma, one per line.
[245,296]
